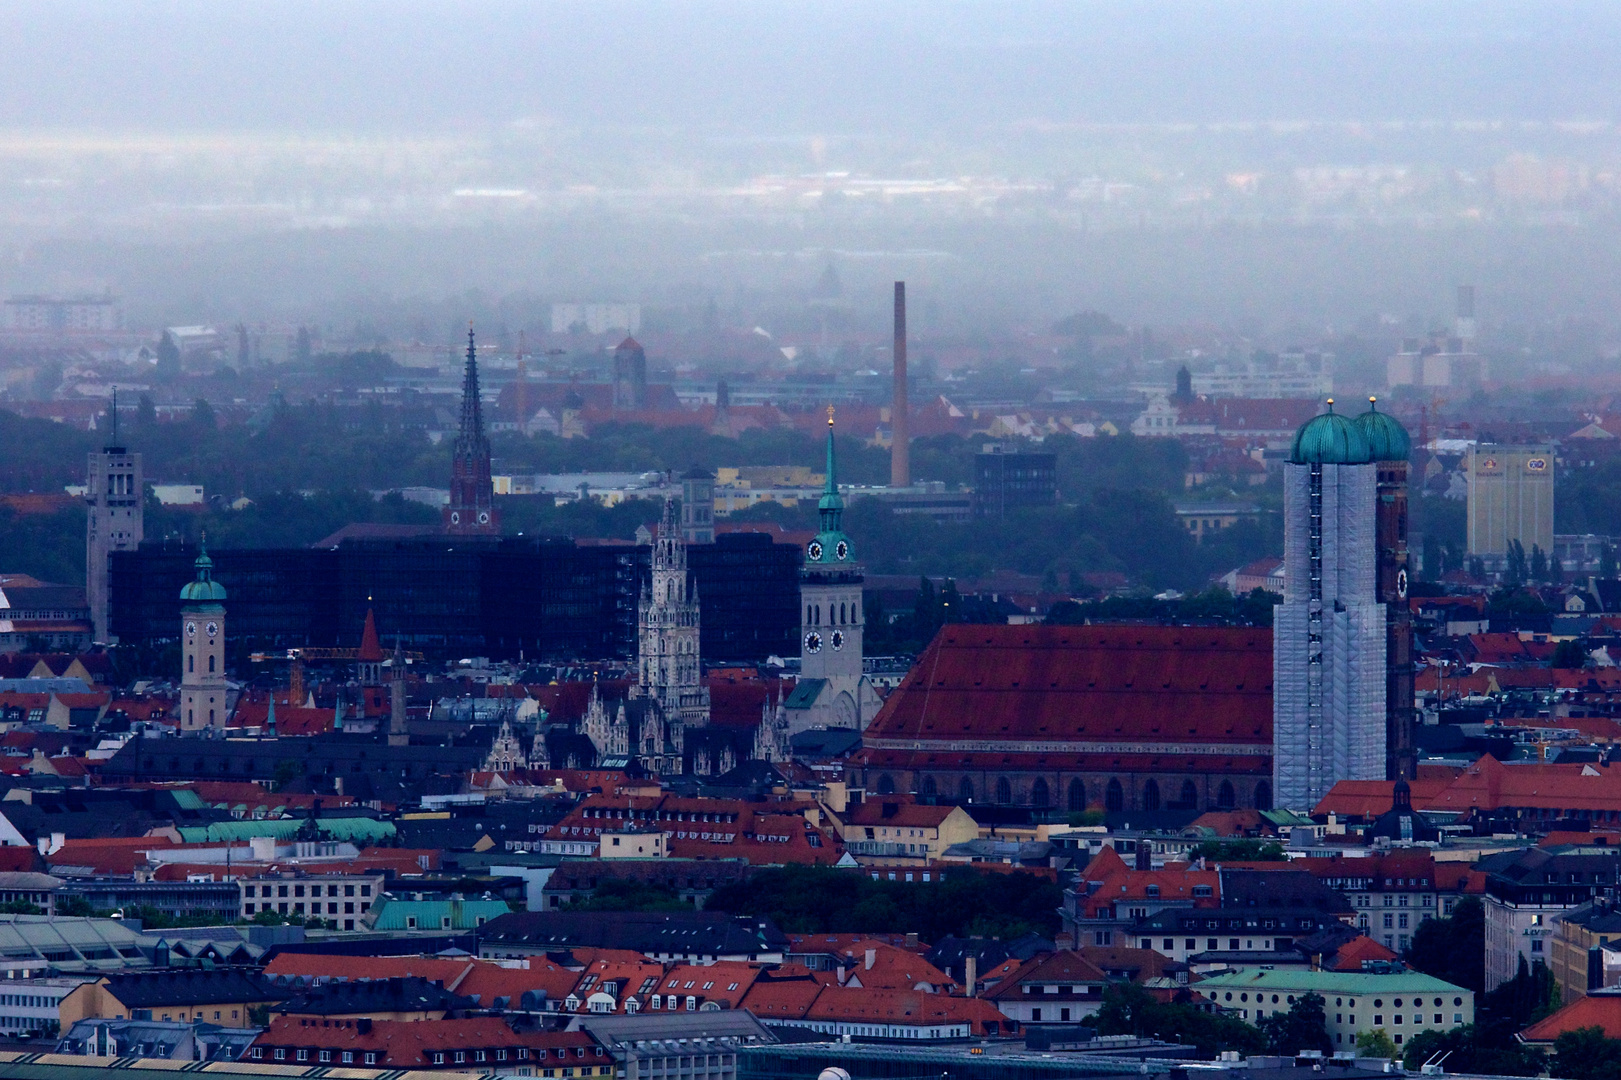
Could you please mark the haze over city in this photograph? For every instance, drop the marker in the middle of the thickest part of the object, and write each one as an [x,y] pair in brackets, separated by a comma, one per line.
[810,541]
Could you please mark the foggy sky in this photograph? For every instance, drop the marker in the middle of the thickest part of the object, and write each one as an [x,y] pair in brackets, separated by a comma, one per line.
[291,160]
[766,69]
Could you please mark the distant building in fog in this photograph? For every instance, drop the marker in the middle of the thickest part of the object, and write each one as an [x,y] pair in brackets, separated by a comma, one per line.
[70,313]
[596,318]
[1510,497]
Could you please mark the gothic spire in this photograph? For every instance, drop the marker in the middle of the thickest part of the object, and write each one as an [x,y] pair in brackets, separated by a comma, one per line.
[471,435]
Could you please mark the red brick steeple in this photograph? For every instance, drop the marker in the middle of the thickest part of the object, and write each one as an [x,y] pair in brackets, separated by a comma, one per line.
[472,495]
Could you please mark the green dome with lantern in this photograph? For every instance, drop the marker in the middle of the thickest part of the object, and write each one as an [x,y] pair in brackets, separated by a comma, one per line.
[1387,439]
[203,589]
[1330,439]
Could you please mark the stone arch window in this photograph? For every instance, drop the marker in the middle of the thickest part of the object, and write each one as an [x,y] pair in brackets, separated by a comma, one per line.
[1040,794]
[1151,795]
[1190,794]
[886,784]
[1224,797]
[965,790]
[928,786]
[1263,796]
[211,662]
[841,614]
[191,663]
[1077,795]
[1114,797]
[1004,791]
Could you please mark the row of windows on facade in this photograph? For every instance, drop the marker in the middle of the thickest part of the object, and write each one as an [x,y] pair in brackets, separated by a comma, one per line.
[457,1057]
[1114,795]
[813,615]
[298,890]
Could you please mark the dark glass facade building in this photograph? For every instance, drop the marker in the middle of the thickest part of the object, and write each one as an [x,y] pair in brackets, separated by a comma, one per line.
[1013,481]
[466,596]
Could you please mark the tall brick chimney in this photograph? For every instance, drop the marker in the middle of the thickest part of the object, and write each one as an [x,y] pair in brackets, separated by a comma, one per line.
[900,450]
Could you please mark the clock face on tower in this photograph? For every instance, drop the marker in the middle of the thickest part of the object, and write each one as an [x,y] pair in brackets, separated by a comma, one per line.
[813,642]
[1401,583]
[483,517]
[191,629]
[838,640]
[814,551]
[213,628]
[455,517]
[841,550]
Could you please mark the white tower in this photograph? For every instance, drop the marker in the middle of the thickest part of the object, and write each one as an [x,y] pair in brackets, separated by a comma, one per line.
[832,691]
[668,667]
[115,520]
[202,649]
[1328,644]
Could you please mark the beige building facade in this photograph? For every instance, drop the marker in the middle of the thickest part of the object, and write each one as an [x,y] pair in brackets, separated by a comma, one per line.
[1510,497]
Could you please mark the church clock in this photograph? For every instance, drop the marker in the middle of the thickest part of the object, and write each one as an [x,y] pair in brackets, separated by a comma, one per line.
[813,642]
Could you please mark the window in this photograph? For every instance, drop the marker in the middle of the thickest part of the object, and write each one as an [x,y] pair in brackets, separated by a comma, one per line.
[1536,944]
[303,1055]
[348,1057]
[326,1055]
[281,1054]
[371,1057]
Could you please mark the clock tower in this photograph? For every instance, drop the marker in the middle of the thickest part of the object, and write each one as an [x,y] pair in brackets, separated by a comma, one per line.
[833,691]
[202,649]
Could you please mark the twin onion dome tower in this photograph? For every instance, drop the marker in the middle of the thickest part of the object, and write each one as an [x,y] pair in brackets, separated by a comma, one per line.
[1342,687]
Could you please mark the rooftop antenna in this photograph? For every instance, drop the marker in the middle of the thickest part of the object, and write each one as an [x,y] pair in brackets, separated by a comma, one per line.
[115,416]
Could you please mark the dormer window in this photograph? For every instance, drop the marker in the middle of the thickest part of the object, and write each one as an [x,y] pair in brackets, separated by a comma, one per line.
[1153,890]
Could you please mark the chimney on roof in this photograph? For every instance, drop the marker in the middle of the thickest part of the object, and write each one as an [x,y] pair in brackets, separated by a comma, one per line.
[1145,855]
[970,973]
[872,958]
[900,446]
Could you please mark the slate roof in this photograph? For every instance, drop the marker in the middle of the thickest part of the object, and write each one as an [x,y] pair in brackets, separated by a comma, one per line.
[383,995]
[188,986]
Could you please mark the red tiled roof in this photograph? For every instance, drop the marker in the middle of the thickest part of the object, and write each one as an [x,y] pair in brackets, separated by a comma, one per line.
[408,1044]
[1593,1010]
[1370,798]
[1354,952]
[909,1007]
[1064,966]
[1175,686]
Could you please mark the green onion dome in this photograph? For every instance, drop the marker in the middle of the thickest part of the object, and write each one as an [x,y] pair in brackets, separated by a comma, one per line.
[1387,439]
[1330,439]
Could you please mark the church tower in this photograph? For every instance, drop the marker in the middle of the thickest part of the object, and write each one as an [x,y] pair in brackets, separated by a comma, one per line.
[668,667]
[832,691]
[114,497]
[202,649]
[472,494]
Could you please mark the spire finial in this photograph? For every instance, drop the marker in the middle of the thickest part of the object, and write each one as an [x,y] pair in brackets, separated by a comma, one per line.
[1373,403]
[1330,404]
[830,416]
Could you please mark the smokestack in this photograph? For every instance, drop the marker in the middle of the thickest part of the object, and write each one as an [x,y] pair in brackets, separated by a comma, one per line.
[900,449]
[1466,312]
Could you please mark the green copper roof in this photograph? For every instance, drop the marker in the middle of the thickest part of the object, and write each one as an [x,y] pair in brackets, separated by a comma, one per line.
[831,547]
[356,829]
[203,590]
[1330,439]
[1326,982]
[1387,439]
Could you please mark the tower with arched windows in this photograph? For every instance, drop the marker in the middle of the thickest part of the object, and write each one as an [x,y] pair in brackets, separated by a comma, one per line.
[833,689]
[202,649]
